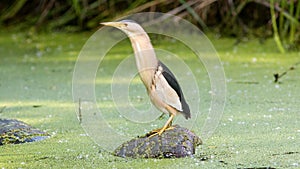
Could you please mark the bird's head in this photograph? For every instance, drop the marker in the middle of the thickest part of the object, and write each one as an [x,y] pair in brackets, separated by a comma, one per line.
[129,27]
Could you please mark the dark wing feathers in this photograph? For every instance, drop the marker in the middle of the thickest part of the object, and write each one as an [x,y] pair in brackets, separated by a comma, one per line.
[174,84]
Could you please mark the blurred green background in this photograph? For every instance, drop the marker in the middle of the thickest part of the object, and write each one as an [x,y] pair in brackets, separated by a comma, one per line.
[238,18]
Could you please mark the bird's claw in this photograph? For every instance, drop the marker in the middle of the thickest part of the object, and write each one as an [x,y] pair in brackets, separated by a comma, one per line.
[158,131]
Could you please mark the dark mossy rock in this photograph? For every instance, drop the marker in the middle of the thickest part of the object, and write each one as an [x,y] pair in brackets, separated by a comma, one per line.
[176,142]
[16,132]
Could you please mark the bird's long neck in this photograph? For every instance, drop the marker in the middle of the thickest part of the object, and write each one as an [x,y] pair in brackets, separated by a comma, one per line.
[145,57]
[143,50]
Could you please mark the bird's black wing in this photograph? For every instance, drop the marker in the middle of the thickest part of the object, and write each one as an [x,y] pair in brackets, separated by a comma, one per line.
[174,84]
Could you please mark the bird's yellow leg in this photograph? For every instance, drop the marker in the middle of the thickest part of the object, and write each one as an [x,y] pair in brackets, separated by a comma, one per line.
[159,131]
[168,124]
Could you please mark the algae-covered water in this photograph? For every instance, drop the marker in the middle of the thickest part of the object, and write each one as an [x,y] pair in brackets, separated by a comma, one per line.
[260,126]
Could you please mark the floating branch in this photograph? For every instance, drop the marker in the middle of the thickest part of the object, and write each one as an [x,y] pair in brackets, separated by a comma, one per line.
[277,75]
[79,111]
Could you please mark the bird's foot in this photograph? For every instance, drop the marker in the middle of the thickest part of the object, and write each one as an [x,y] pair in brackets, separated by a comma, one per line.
[164,129]
[158,131]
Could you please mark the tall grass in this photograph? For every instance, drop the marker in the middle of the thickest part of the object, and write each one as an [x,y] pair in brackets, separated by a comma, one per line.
[289,25]
[275,29]
[236,18]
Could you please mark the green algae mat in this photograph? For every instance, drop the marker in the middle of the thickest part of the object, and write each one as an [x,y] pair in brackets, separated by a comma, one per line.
[260,126]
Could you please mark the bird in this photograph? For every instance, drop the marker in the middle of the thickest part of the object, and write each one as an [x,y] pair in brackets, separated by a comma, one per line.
[161,85]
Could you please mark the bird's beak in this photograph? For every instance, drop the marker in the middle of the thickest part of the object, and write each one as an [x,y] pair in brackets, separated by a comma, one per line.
[114,24]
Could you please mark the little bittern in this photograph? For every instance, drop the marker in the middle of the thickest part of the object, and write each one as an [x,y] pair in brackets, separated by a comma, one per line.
[162,86]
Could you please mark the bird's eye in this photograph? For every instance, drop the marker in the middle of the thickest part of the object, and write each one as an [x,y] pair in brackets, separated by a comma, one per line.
[126,24]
